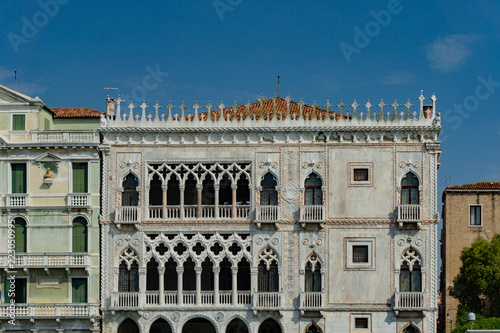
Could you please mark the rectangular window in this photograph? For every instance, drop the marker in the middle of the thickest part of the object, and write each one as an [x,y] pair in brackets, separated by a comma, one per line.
[18,122]
[20,290]
[79,290]
[47,124]
[18,178]
[360,175]
[360,253]
[361,322]
[80,178]
[475,215]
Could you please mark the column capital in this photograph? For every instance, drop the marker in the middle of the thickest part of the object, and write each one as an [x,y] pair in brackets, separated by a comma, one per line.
[216,270]
[234,270]
[179,270]
[164,187]
[216,187]
[254,270]
[161,270]
[199,187]
[198,270]
[142,270]
[234,187]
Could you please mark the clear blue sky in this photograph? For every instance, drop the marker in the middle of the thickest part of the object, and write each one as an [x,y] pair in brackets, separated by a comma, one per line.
[234,49]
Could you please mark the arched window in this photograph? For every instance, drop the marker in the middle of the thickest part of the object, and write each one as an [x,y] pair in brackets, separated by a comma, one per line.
[190,191]
[313,274]
[243,191]
[236,326]
[160,326]
[130,196]
[410,329]
[410,276]
[128,326]
[170,276]
[243,275]
[268,194]
[80,235]
[409,189]
[20,235]
[152,275]
[225,275]
[269,326]
[128,272]
[313,194]
[155,191]
[313,329]
[173,192]
[268,276]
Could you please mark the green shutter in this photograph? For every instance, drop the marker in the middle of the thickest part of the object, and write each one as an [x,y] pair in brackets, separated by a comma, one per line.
[20,235]
[80,178]
[18,178]
[79,235]
[47,124]
[79,290]
[18,122]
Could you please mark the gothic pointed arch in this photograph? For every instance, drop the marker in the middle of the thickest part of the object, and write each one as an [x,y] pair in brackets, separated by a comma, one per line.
[410,328]
[237,326]
[312,271]
[313,328]
[128,271]
[128,326]
[313,192]
[269,326]
[129,186]
[268,273]
[269,192]
[160,325]
[410,276]
[410,193]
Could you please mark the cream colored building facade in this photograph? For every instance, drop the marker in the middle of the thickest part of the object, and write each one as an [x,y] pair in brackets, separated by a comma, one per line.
[49,231]
[274,216]
[469,211]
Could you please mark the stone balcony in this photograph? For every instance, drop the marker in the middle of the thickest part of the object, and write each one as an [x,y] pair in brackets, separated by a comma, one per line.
[65,137]
[46,261]
[128,215]
[409,215]
[78,200]
[267,301]
[267,214]
[45,310]
[172,299]
[17,201]
[409,301]
[311,301]
[202,212]
[310,214]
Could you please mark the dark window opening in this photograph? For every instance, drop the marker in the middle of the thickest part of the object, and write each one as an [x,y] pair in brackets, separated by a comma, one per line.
[208,192]
[410,281]
[409,189]
[152,275]
[268,278]
[243,276]
[130,196]
[225,275]
[190,191]
[313,194]
[361,322]
[361,175]
[269,194]
[207,275]
[475,215]
[225,191]
[155,191]
[173,192]
[170,276]
[313,278]
[128,280]
[189,276]
[243,191]
[360,254]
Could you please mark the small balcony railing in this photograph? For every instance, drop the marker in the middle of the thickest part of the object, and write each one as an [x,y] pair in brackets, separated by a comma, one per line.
[40,310]
[17,200]
[268,214]
[193,212]
[170,298]
[65,137]
[409,213]
[267,301]
[312,214]
[409,300]
[311,301]
[127,214]
[47,260]
[125,299]
[77,200]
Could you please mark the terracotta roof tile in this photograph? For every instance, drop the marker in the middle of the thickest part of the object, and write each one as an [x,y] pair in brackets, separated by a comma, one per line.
[476,186]
[76,113]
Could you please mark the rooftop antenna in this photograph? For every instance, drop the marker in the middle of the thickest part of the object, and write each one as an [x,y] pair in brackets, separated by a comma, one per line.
[278,86]
[15,80]
[115,89]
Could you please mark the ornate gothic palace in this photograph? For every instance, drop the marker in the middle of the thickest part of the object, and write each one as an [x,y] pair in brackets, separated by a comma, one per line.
[274,216]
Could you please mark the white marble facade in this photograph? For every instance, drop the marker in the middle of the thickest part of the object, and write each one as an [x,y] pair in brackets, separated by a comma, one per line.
[194,239]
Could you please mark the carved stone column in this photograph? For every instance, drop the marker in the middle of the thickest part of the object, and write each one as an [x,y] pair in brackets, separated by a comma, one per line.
[164,188]
[254,271]
[234,187]
[216,193]
[142,285]
[199,188]
[234,272]
[198,271]
[181,206]
[180,271]
[161,273]
[216,271]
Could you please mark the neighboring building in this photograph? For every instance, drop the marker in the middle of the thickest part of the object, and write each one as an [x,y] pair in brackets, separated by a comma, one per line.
[274,216]
[469,211]
[49,186]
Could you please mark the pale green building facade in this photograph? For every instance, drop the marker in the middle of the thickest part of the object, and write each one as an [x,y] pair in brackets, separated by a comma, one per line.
[49,187]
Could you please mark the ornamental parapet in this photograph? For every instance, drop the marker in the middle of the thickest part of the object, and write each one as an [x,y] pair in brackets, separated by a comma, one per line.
[276,114]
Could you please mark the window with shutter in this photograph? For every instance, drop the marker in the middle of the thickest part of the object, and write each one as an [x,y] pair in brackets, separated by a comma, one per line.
[18,178]
[18,122]
[20,235]
[80,235]
[79,290]
[80,178]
